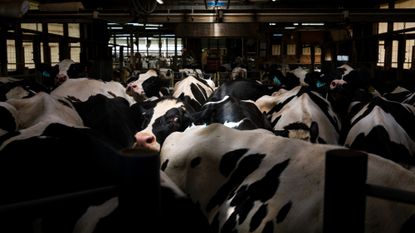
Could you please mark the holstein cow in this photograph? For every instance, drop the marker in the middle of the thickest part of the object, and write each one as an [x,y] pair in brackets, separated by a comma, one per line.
[401,95]
[160,118]
[82,88]
[303,114]
[232,112]
[14,88]
[34,114]
[386,128]
[65,69]
[253,181]
[177,214]
[148,85]
[193,90]
[244,89]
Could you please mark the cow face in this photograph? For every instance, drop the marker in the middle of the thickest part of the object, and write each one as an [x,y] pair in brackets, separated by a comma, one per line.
[159,119]
[148,85]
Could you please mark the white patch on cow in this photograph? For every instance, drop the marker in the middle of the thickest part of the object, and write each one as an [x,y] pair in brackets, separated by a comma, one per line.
[306,166]
[217,102]
[88,221]
[347,69]
[17,92]
[8,80]
[83,88]
[233,124]
[64,67]
[300,73]
[36,113]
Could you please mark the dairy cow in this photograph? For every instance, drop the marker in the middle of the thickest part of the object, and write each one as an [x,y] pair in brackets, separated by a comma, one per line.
[14,88]
[193,90]
[254,181]
[232,112]
[82,88]
[108,216]
[160,118]
[303,114]
[244,89]
[386,128]
[148,85]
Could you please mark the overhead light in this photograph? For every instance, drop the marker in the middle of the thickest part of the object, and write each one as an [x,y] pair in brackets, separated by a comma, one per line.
[160,1]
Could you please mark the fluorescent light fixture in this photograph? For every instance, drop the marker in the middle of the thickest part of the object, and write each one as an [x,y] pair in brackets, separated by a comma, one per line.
[312,24]
[289,27]
[277,34]
[151,28]
[295,24]
[116,27]
[160,1]
[272,24]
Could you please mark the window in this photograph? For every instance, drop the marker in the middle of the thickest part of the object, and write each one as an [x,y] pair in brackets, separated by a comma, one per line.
[28,55]
[75,52]
[290,49]
[276,50]
[11,55]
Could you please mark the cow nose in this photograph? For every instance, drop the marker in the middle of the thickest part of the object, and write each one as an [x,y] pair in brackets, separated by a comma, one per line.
[146,141]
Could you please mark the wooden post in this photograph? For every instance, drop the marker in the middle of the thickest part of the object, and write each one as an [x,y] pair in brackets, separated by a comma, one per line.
[139,198]
[344,194]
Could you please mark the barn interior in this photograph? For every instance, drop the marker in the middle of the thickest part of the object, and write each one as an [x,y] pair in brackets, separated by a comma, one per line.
[95,140]
[142,34]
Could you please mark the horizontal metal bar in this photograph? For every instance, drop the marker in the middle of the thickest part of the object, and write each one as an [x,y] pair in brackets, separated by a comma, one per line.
[239,16]
[390,194]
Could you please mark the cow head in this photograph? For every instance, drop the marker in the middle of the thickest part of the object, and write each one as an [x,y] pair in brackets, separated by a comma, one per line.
[160,118]
[148,85]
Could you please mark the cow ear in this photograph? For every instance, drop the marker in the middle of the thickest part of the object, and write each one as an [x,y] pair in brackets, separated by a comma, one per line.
[314,131]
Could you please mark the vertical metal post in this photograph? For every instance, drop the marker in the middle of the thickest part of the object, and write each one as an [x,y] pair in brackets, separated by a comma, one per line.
[139,199]
[344,194]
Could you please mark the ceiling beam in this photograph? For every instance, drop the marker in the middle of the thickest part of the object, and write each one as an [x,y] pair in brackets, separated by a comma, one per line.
[231,16]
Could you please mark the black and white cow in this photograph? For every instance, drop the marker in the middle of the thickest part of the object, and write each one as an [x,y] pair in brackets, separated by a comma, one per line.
[148,85]
[14,88]
[244,89]
[232,112]
[239,73]
[36,113]
[303,113]
[177,214]
[193,90]
[160,118]
[59,73]
[385,128]
[82,88]
[254,181]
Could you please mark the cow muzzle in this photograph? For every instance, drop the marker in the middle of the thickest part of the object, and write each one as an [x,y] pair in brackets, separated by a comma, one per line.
[147,142]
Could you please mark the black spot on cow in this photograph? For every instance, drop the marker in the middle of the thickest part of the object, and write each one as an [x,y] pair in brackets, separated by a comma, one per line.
[268,228]
[65,103]
[387,149]
[258,217]
[7,122]
[214,226]
[175,119]
[246,166]
[196,161]
[111,117]
[282,214]
[164,165]
[229,161]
